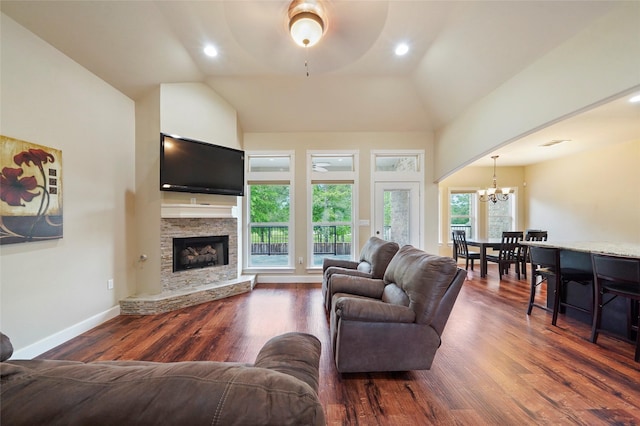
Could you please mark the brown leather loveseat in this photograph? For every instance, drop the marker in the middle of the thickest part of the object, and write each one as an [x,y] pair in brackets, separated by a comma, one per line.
[280,388]
[394,323]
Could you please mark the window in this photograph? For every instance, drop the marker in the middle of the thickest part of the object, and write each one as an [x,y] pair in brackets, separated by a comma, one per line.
[332,221]
[332,203]
[462,211]
[269,211]
[501,217]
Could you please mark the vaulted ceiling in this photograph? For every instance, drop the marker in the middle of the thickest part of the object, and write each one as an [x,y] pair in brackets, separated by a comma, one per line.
[459,52]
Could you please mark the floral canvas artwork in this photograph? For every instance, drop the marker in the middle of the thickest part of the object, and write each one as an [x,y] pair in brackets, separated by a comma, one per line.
[30,192]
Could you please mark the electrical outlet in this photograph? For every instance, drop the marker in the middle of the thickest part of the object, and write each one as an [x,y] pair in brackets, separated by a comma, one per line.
[110,284]
[300,260]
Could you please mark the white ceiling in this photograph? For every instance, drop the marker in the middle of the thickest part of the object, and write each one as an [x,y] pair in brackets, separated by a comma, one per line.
[460,51]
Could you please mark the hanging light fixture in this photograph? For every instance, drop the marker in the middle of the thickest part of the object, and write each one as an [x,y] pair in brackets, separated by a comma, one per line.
[493,193]
[306,22]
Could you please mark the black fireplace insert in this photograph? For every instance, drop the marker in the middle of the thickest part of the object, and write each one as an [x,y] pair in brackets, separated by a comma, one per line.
[200,252]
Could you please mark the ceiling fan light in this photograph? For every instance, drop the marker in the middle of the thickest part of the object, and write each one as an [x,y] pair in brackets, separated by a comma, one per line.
[306,28]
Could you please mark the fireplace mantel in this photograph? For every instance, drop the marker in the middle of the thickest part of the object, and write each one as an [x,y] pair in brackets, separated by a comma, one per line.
[188,211]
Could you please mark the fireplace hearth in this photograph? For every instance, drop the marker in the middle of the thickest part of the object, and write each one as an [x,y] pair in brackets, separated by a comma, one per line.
[200,252]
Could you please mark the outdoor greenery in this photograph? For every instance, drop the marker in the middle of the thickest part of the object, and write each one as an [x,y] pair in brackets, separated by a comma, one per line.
[270,204]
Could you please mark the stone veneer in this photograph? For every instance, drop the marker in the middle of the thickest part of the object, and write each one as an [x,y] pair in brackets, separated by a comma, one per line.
[193,286]
[196,227]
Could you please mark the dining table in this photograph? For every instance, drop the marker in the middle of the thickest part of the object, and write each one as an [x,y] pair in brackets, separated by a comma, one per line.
[484,244]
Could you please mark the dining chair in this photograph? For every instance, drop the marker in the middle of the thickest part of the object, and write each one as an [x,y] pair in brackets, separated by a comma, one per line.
[462,249]
[509,252]
[616,276]
[530,235]
[545,263]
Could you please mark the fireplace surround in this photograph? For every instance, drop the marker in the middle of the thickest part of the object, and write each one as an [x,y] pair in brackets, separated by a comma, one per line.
[195,285]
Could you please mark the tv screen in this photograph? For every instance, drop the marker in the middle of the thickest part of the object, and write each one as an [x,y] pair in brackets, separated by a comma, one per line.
[188,165]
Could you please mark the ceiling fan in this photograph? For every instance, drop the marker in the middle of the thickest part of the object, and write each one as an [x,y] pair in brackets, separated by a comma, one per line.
[320,167]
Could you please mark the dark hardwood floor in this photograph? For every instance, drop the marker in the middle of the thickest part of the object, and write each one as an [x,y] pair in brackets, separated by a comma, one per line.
[496,365]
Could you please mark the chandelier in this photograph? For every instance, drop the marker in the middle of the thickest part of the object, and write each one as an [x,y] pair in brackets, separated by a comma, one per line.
[307,22]
[494,194]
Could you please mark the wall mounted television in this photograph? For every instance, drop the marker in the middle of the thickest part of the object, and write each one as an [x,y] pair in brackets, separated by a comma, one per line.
[188,165]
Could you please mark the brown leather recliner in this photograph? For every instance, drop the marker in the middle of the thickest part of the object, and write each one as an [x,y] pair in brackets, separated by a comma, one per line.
[374,259]
[395,323]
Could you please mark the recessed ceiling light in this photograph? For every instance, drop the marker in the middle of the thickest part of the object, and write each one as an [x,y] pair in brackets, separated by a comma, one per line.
[210,51]
[402,49]
[635,99]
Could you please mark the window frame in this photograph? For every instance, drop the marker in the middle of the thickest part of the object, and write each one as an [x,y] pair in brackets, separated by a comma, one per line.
[331,177]
[270,178]
[475,210]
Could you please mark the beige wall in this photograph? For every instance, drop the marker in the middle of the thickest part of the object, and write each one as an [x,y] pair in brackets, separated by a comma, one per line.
[601,62]
[364,143]
[191,110]
[53,290]
[593,196]
[477,178]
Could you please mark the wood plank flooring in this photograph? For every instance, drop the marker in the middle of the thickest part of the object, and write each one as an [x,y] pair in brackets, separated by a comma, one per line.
[496,365]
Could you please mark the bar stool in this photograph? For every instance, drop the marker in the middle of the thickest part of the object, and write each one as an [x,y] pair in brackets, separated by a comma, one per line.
[530,235]
[617,276]
[545,263]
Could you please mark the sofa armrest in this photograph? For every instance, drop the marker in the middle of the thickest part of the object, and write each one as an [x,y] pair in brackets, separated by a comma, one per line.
[295,354]
[359,309]
[358,285]
[340,263]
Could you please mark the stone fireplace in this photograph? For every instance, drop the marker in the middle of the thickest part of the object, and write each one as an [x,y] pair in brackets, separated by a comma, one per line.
[194,274]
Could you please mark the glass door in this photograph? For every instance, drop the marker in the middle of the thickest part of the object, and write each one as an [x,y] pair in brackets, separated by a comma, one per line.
[397,212]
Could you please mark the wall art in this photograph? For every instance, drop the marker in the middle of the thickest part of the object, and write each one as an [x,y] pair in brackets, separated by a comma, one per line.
[30,192]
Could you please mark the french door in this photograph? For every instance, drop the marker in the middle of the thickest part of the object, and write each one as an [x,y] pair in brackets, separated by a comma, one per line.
[397,212]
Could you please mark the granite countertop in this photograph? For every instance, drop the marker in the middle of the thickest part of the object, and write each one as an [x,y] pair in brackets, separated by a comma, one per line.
[618,249]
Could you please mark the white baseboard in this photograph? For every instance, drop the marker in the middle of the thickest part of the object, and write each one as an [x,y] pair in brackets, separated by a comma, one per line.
[289,279]
[50,342]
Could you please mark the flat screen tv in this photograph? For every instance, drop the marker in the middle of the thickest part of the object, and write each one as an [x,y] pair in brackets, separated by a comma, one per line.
[187,165]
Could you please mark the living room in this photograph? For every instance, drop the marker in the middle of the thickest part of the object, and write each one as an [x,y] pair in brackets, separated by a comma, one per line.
[54,290]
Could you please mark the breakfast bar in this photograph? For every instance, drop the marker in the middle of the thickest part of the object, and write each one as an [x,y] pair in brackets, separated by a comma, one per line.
[577,255]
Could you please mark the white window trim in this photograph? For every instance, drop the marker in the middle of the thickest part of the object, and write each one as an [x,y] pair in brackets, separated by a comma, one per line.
[475,207]
[417,176]
[314,176]
[270,177]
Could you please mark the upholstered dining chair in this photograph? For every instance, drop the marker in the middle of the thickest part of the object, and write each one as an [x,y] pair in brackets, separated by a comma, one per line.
[616,276]
[461,249]
[509,253]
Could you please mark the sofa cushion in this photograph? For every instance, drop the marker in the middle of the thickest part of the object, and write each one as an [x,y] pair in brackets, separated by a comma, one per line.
[423,277]
[395,295]
[364,267]
[378,253]
[179,393]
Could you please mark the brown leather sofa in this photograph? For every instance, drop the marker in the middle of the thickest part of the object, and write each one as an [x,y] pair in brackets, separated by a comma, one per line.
[374,259]
[394,323]
[280,388]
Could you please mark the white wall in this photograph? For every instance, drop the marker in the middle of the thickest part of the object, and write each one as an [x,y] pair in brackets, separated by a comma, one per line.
[593,196]
[601,62]
[50,288]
